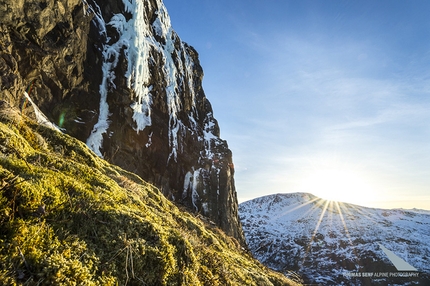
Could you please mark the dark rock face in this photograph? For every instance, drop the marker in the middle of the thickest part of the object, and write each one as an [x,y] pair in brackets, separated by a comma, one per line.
[44,41]
[115,75]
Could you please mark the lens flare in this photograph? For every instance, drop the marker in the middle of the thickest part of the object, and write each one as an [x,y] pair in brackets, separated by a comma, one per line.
[61,119]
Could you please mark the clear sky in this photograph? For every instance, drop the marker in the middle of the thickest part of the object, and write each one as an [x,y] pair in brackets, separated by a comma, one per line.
[327,97]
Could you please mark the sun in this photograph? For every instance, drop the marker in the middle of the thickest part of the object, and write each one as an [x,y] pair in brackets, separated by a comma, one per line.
[339,185]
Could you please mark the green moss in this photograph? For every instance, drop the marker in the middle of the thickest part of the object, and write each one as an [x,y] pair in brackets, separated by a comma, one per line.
[68,217]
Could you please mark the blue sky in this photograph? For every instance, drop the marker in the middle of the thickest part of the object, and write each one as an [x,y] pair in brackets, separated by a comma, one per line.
[327,97]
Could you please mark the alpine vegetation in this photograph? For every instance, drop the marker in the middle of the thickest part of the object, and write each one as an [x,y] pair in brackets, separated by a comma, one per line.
[68,217]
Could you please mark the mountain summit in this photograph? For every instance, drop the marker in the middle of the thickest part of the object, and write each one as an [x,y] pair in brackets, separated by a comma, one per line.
[333,243]
[115,75]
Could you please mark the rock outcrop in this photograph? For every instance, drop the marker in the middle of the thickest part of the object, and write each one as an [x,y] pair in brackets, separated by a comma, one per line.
[115,75]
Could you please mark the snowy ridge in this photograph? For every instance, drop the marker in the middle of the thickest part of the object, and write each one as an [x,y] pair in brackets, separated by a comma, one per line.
[323,240]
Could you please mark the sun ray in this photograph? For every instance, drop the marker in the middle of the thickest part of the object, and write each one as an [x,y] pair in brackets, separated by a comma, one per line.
[324,209]
[347,231]
[299,206]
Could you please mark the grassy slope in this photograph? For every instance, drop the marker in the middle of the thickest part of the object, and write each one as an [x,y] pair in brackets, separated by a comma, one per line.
[68,217]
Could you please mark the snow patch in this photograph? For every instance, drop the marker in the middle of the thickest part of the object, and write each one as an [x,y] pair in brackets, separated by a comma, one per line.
[40,117]
[205,208]
[149,143]
[208,136]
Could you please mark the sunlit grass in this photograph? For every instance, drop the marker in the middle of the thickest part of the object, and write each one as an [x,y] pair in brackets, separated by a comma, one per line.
[68,217]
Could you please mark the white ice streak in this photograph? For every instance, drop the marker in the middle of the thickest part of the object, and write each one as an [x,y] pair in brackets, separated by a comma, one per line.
[179,75]
[191,181]
[163,29]
[138,56]
[133,41]
[40,117]
[147,145]
[95,140]
[97,16]
[209,136]
[189,66]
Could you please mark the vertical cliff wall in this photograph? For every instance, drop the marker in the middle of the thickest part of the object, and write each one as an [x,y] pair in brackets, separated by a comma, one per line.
[115,75]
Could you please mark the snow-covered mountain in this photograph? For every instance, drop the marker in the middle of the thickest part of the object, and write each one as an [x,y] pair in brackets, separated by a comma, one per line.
[332,243]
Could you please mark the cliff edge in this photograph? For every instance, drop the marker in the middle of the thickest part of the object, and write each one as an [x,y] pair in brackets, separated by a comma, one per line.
[115,75]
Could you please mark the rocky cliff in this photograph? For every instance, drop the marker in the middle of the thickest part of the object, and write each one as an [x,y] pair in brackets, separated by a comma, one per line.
[115,75]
